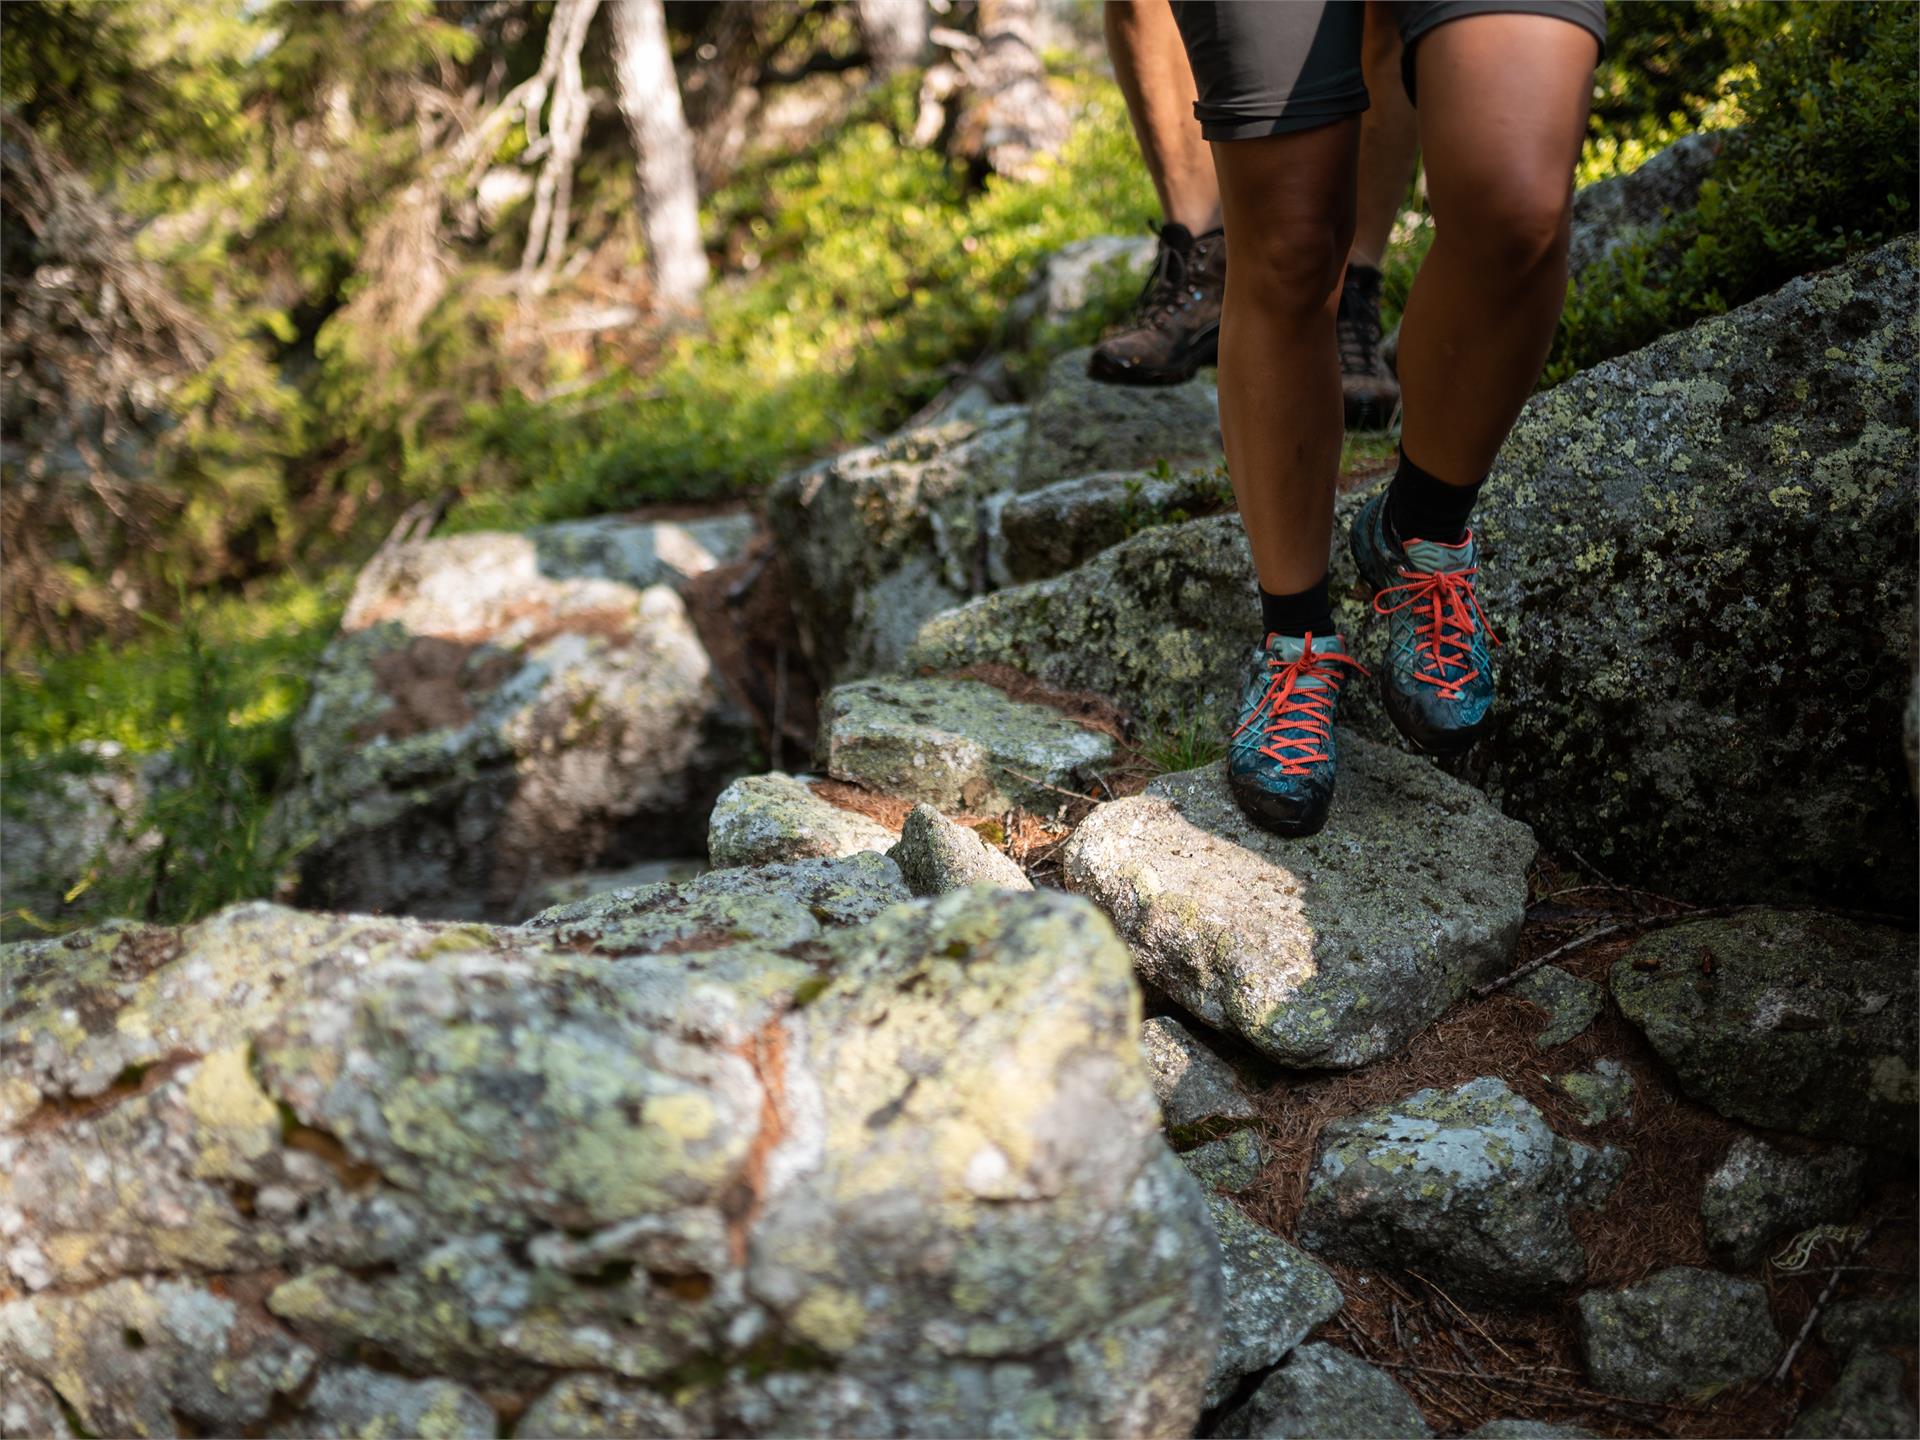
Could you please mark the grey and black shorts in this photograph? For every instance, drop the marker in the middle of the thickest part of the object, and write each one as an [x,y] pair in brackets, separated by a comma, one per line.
[1268,67]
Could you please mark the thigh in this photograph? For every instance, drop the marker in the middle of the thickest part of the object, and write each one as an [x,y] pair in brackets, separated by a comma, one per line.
[1503,100]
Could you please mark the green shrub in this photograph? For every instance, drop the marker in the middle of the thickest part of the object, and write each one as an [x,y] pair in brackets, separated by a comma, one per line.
[1823,167]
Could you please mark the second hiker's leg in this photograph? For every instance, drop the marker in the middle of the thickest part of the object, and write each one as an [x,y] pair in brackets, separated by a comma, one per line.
[1151,66]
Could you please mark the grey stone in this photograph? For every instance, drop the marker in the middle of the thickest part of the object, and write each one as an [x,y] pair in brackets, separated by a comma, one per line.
[1651,696]
[1141,623]
[1570,1002]
[1073,279]
[1680,1333]
[935,855]
[1868,1401]
[76,819]
[955,744]
[1614,211]
[1847,1323]
[876,539]
[1527,1430]
[1052,529]
[1080,425]
[586,1407]
[1327,951]
[1470,1186]
[1275,1297]
[1231,1164]
[894,1171]
[1322,1391]
[1760,1193]
[598,882]
[1197,1090]
[766,819]
[499,710]
[1806,1022]
[1603,1093]
[29,1409]
[352,1401]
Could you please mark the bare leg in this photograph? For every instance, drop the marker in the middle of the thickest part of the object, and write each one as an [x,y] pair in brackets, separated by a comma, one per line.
[1503,109]
[1151,65]
[1389,139]
[1288,205]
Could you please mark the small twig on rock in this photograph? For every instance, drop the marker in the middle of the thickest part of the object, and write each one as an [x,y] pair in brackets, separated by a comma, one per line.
[1819,1304]
[1580,942]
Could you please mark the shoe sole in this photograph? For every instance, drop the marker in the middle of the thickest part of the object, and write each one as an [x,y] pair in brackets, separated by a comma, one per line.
[1206,353]
[1284,826]
[1427,742]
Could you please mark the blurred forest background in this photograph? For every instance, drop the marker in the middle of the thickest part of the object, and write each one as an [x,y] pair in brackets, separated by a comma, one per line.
[281,276]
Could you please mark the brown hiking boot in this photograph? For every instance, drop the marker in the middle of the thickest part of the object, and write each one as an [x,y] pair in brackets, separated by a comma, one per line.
[1175,328]
[1366,384]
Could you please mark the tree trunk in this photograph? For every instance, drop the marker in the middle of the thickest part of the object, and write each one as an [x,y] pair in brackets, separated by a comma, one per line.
[1009,119]
[895,32]
[566,129]
[663,151]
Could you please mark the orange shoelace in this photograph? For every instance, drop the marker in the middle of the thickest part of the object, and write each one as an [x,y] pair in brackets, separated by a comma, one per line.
[1287,705]
[1443,628]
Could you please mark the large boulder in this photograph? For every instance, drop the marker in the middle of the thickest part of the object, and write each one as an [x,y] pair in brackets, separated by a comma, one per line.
[1050,530]
[1680,1332]
[1469,1186]
[1789,1019]
[1327,951]
[1612,212]
[499,710]
[875,540]
[1699,558]
[818,1170]
[1080,425]
[1760,1193]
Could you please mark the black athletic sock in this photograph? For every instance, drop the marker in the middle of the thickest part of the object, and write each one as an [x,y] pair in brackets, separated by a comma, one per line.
[1307,612]
[1421,506]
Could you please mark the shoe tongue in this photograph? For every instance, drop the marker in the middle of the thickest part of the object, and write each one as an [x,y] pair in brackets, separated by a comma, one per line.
[1291,647]
[1176,236]
[1430,557]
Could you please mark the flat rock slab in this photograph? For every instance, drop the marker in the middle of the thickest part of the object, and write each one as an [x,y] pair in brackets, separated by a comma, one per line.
[955,744]
[1603,1093]
[1328,951]
[1322,1391]
[768,819]
[1803,1022]
[1198,1091]
[1682,1332]
[1760,1193]
[1276,1295]
[1570,1002]
[1468,1185]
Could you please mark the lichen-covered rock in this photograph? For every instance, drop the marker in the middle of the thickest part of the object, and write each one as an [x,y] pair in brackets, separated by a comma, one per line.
[1603,1093]
[1868,1402]
[765,819]
[1804,1022]
[1699,559]
[1054,528]
[71,821]
[1848,1323]
[1609,213]
[1332,950]
[1231,1164]
[351,1401]
[935,855]
[1527,1430]
[1080,425]
[1681,1332]
[598,882]
[1470,1186]
[29,1409]
[874,540]
[1197,1090]
[1323,1391]
[1760,1192]
[1275,1297]
[833,1167]
[1073,278]
[1570,1002]
[501,709]
[955,744]
[1161,623]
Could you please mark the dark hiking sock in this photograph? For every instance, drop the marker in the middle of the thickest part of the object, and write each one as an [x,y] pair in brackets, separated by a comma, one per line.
[1306,612]
[1421,506]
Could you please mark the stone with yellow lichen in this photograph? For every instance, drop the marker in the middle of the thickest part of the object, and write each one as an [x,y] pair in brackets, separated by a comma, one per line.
[756,1167]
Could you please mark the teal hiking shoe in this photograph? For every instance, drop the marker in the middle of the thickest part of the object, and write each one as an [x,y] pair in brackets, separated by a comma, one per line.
[1437,684]
[1280,756]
